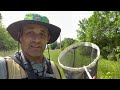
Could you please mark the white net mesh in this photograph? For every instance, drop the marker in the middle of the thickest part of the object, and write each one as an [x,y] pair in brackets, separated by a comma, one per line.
[74,57]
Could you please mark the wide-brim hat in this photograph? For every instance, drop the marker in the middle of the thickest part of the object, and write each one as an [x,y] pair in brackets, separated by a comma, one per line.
[31,18]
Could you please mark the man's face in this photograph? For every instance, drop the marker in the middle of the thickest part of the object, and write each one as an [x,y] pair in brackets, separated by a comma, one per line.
[34,39]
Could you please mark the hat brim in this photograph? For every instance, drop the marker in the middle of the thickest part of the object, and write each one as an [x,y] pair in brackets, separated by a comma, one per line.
[15,27]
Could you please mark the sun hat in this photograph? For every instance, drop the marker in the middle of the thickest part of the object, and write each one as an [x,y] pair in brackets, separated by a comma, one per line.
[32,18]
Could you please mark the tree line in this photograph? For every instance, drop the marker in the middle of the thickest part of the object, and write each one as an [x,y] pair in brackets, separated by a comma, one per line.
[63,44]
[6,41]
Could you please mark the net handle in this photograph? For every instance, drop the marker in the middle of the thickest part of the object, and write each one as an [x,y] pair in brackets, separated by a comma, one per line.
[86,70]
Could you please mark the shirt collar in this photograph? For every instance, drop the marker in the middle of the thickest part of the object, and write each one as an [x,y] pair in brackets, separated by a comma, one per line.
[32,62]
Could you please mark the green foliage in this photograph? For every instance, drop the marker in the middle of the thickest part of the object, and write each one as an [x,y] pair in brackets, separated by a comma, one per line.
[6,53]
[6,41]
[108,69]
[66,42]
[55,45]
[103,29]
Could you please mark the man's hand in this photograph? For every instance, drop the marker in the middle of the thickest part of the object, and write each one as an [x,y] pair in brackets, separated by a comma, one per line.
[94,77]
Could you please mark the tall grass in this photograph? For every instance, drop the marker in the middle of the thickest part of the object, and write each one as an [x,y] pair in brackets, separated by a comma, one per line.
[106,69]
[6,53]
[54,57]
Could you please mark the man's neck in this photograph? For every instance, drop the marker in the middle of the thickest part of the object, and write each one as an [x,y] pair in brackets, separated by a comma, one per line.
[35,59]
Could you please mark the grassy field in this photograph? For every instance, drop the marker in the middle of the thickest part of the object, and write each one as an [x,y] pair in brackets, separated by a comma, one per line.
[106,69]
[5,53]
[54,57]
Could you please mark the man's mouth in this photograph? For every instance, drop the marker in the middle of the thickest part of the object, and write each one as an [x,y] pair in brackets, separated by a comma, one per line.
[33,46]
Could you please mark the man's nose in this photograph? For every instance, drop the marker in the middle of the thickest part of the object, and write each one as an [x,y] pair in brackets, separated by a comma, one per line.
[36,38]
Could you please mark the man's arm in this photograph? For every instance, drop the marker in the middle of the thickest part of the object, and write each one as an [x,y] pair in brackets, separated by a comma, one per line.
[3,71]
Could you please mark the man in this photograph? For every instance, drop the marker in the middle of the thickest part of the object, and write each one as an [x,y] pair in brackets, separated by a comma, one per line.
[33,33]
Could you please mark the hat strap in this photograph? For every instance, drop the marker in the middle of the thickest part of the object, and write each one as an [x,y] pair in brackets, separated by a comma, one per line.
[18,41]
[19,35]
[48,51]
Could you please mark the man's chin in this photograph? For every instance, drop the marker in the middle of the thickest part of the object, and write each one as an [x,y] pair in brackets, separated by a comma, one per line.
[35,54]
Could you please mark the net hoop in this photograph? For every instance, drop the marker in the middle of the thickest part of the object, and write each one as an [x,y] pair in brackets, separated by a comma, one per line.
[79,44]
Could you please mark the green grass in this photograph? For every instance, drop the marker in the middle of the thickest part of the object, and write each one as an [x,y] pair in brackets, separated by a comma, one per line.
[106,69]
[6,53]
[80,60]
[54,57]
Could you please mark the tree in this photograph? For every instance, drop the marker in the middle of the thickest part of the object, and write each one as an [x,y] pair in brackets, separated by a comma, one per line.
[6,41]
[53,45]
[66,42]
[103,29]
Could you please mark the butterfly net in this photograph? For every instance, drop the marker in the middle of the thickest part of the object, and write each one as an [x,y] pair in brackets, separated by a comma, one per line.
[75,57]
